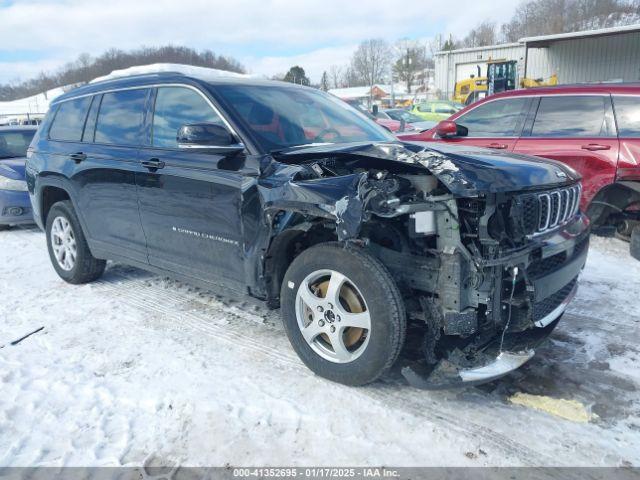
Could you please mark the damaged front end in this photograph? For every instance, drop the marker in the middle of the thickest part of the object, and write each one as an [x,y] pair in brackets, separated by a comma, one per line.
[485,248]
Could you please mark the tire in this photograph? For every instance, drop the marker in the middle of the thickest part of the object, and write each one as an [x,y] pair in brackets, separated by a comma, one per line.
[634,245]
[4,227]
[367,291]
[80,268]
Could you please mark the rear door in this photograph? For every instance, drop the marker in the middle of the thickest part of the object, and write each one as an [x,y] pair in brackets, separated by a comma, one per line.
[495,124]
[101,165]
[106,172]
[627,111]
[578,130]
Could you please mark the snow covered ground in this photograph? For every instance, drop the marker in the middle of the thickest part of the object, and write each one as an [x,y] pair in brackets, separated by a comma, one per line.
[137,369]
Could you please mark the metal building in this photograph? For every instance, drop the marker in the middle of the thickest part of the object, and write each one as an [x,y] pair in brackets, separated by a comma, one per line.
[605,55]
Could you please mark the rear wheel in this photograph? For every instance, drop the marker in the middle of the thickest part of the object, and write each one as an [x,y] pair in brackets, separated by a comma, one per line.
[634,245]
[68,249]
[343,313]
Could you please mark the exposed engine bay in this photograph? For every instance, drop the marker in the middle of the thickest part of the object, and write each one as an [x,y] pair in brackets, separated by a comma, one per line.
[485,268]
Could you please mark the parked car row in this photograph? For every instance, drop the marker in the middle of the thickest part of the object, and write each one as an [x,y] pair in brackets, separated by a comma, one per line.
[15,207]
[594,129]
[465,256]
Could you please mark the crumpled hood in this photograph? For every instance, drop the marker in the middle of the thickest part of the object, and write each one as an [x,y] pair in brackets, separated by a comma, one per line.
[465,171]
[13,168]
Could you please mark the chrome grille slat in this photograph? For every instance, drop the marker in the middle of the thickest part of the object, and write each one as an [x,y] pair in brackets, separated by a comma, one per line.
[557,207]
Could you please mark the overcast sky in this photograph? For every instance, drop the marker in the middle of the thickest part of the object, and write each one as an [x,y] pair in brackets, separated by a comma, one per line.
[267,36]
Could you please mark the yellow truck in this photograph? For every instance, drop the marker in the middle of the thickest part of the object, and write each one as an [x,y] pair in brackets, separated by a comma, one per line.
[501,76]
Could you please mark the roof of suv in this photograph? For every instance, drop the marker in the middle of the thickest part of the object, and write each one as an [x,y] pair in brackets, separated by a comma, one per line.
[149,79]
[620,88]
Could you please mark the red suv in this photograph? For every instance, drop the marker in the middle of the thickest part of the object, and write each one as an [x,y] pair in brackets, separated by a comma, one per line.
[593,128]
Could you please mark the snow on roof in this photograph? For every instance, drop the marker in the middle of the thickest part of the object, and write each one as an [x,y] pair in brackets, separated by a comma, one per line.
[578,35]
[352,92]
[202,73]
[361,92]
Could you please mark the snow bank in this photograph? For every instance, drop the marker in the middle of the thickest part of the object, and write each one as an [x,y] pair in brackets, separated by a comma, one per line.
[199,72]
[35,104]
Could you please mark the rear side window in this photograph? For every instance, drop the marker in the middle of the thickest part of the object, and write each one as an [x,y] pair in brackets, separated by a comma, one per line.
[627,115]
[120,117]
[499,118]
[69,120]
[175,107]
[579,116]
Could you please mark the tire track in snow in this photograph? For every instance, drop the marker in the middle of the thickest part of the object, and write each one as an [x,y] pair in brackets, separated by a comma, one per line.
[170,303]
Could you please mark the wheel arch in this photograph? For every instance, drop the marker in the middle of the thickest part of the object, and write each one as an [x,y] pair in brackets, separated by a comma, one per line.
[286,245]
[612,199]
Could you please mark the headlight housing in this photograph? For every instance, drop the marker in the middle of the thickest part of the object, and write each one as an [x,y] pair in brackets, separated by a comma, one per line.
[12,184]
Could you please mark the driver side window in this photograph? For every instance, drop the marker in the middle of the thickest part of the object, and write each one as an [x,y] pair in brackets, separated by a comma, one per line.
[498,118]
[177,106]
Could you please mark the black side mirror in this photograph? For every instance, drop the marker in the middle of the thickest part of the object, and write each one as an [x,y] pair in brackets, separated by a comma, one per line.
[375,110]
[208,136]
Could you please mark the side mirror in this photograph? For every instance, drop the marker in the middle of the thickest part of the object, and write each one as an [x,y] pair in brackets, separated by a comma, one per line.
[208,136]
[375,110]
[448,128]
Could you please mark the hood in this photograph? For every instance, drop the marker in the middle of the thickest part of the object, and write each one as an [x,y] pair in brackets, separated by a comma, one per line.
[465,171]
[13,167]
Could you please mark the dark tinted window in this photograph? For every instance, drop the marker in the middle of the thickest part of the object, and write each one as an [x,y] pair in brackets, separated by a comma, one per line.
[69,120]
[120,117]
[561,116]
[278,116]
[177,106]
[628,115]
[494,119]
[15,143]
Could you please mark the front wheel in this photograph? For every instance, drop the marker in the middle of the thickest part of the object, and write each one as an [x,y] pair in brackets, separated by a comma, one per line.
[343,313]
[68,249]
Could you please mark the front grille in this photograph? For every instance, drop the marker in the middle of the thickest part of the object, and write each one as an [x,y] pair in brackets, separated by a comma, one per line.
[544,211]
[545,307]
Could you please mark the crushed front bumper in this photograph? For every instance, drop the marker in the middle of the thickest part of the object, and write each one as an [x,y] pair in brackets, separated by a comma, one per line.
[551,284]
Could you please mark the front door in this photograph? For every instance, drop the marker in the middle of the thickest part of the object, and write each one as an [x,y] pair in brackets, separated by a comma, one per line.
[578,131]
[191,207]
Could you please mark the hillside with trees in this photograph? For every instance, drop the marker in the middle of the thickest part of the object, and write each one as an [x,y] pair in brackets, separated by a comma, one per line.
[86,67]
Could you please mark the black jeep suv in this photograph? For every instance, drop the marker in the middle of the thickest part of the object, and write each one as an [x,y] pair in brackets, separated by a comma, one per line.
[466,257]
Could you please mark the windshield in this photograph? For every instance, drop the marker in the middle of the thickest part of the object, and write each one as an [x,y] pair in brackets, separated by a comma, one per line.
[281,117]
[15,143]
[404,115]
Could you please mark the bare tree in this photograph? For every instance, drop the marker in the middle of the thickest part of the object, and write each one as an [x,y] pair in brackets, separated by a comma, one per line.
[335,74]
[86,67]
[324,81]
[544,17]
[371,61]
[481,36]
[411,60]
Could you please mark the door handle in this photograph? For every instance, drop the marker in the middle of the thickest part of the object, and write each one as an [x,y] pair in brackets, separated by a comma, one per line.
[595,146]
[153,164]
[498,146]
[78,157]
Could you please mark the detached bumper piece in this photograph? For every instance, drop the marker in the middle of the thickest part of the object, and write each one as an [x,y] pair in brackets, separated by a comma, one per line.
[518,348]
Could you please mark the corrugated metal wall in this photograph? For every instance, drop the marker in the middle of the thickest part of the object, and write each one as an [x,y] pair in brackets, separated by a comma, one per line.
[588,60]
[448,64]
[575,61]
